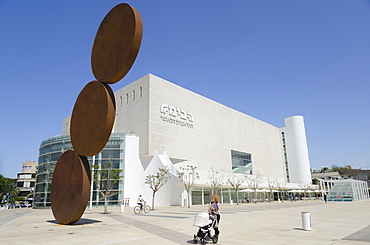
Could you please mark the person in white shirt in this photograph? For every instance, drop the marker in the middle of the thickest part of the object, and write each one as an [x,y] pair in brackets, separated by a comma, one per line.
[140,201]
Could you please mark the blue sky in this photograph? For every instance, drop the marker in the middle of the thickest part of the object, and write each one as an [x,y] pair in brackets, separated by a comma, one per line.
[268,59]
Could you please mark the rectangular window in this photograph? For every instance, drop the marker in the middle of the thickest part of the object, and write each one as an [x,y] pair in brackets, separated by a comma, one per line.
[141,92]
[241,162]
[133,94]
[126,98]
[110,154]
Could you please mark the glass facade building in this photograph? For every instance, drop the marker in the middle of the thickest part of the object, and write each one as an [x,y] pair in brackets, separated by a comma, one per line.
[51,149]
[348,190]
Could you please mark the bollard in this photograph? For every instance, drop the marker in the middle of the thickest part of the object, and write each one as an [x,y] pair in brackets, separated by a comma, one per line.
[122,208]
[306,221]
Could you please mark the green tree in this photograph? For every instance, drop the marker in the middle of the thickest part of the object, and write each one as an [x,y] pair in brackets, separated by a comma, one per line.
[156,181]
[346,168]
[106,179]
[315,181]
[335,168]
[187,176]
[8,186]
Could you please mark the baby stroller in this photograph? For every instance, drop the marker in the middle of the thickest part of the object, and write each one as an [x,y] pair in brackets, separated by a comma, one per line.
[205,222]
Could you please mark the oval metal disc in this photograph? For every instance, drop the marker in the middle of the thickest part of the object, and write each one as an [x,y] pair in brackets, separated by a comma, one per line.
[92,118]
[70,188]
[117,43]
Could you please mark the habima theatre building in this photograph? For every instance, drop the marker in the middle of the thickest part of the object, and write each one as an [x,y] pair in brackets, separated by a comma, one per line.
[162,125]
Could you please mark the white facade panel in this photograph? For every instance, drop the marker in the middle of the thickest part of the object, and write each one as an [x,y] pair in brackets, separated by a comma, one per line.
[188,126]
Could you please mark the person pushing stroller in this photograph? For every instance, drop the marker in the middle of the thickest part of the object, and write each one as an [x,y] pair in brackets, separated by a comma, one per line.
[206,221]
[214,209]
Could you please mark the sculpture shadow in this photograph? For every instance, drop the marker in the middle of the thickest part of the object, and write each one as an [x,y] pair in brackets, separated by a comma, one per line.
[79,222]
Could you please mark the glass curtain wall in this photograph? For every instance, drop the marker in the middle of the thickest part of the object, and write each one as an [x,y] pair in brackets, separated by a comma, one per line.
[51,149]
[348,190]
[202,196]
[241,162]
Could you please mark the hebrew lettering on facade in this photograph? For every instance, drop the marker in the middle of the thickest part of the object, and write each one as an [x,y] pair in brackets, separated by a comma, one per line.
[190,117]
[164,108]
[172,111]
[181,113]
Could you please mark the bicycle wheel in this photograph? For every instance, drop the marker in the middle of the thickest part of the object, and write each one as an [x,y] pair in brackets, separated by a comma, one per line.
[146,209]
[137,209]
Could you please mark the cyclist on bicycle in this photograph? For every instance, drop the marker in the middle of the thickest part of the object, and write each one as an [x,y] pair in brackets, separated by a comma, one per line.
[140,201]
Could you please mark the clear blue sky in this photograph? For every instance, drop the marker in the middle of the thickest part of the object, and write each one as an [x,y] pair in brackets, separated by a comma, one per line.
[268,59]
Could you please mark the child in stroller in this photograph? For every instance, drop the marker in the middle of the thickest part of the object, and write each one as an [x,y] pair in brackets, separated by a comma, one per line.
[205,222]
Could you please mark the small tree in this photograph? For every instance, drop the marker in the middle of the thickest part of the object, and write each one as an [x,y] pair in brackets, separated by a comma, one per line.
[271,184]
[215,179]
[315,181]
[105,180]
[156,181]
[305,188]
[253,182]
[280,185]
[324,169]
[187,176]
[236,181]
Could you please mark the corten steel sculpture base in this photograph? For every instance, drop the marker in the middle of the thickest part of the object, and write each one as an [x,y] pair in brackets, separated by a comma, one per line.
[114,51]
[70,188]
[92,118]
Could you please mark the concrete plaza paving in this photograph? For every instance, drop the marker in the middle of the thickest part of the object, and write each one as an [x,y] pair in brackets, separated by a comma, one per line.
[263,223]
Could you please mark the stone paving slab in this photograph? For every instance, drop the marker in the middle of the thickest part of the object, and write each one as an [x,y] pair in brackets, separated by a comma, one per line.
[339,223]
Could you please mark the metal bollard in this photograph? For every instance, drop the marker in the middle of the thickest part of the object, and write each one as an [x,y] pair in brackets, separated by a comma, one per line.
[306,221]
[122,208]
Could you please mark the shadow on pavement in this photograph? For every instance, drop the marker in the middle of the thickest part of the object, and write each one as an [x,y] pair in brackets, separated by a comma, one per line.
[80,222]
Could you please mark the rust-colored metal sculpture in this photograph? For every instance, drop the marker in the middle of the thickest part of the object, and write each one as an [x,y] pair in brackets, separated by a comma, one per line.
[70,188]
[92,118]
[115,48]
[116,44]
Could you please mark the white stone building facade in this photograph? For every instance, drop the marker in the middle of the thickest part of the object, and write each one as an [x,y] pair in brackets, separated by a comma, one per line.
[169,126]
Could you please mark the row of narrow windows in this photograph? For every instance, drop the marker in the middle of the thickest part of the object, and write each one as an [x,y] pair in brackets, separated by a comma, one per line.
[133,96]
[285,157]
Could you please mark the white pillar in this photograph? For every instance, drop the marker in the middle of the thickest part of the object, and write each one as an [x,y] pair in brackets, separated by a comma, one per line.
[202,195]
[92,183]
[297,150]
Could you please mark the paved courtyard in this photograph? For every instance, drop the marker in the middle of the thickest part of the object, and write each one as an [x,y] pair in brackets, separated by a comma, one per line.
[262,223]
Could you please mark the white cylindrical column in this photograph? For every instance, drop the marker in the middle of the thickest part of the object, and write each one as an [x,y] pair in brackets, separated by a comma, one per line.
[297,150]
[306,221]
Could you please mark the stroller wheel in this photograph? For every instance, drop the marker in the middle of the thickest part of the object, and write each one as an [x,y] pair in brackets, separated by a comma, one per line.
[202,240]
[195,240]
[215,239]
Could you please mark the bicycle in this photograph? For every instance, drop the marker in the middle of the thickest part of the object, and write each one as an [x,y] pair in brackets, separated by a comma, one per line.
[146,209]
